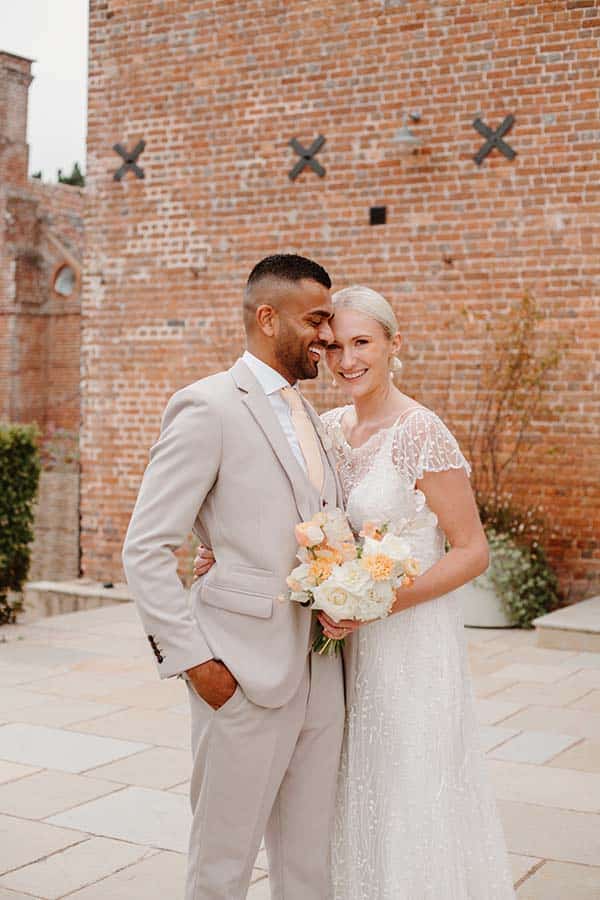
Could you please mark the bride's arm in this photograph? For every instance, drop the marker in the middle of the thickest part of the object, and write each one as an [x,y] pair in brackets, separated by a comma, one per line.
[450,497]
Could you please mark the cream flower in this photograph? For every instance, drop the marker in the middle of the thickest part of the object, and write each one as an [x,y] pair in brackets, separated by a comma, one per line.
[298,579]
[335,600]
[352,576]
[377,602]
[395,547]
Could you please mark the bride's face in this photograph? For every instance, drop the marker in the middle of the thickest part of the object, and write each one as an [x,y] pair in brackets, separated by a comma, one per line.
[359,356]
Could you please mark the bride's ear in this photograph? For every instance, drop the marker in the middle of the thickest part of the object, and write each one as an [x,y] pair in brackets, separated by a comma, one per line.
[396,343]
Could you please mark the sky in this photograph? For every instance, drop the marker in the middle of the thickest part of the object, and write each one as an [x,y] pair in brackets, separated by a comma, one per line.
[54,33]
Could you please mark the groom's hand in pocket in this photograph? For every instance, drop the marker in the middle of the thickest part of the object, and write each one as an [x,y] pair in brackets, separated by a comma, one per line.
[213,682]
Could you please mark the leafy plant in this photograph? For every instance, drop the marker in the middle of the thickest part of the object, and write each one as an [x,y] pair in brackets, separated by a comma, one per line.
[19,478]
[522,577]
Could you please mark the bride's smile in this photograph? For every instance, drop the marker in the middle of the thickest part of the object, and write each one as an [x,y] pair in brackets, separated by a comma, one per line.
[360,356]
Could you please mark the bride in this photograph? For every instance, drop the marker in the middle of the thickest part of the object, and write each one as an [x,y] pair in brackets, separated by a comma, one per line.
[416,818]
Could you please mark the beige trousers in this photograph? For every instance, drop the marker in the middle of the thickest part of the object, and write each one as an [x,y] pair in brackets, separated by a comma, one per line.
[266,771]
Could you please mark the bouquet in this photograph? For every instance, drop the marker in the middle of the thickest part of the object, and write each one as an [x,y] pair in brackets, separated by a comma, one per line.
[346,576]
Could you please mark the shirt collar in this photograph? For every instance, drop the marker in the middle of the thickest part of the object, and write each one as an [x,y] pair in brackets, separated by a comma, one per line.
[269,379]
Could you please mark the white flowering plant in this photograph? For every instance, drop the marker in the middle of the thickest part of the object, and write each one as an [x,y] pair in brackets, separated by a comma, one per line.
[348,576]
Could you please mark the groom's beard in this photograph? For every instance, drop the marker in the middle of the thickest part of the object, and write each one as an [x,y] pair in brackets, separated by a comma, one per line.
[295,358]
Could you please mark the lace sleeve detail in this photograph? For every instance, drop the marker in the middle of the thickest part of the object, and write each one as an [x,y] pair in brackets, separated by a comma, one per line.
[422,443]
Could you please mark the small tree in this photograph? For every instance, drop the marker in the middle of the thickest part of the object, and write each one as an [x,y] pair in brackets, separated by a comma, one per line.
[19,479]
[510,394]
[75,178]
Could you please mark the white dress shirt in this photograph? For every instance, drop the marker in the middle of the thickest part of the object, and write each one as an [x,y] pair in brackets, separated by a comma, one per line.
[272,382]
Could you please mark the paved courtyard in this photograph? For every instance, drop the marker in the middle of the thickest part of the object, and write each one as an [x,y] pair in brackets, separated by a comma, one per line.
[94,762]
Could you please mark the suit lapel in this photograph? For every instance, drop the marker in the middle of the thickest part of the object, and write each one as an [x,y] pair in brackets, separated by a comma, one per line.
[259,406]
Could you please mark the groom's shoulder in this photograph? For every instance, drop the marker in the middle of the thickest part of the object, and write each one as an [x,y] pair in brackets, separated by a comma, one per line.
[207,394]
[206,388]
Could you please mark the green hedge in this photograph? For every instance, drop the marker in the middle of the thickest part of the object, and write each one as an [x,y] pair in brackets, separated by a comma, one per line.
[19,479]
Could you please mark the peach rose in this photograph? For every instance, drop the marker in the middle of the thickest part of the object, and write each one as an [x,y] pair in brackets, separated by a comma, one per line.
[347,551]
[308,534]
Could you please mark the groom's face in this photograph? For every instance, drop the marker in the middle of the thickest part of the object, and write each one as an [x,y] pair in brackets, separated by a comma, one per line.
[302,330]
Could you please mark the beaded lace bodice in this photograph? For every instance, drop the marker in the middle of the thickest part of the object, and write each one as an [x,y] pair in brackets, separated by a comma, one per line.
[379,477]
[415,819]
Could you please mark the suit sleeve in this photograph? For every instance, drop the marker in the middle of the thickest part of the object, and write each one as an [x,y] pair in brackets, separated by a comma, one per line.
[183,467]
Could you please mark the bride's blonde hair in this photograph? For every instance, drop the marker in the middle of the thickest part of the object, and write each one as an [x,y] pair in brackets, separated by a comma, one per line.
[367,301]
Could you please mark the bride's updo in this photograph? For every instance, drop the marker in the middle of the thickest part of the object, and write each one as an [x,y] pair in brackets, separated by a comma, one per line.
[367,301]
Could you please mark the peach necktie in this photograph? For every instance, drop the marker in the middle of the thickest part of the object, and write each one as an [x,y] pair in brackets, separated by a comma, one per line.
[307,436]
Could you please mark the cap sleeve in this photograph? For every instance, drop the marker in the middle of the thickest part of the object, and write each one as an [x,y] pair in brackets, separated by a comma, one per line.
[422,443]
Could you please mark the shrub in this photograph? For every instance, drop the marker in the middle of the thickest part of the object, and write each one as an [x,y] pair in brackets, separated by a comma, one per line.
[522,577]
[19,479]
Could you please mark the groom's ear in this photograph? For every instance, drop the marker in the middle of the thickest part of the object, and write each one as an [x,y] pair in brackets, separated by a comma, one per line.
[266,319]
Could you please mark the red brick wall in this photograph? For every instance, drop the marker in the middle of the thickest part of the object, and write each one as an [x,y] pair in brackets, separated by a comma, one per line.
[217,89]
[41,227]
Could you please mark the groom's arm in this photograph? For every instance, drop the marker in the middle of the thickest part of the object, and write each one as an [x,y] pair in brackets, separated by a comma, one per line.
[183,467]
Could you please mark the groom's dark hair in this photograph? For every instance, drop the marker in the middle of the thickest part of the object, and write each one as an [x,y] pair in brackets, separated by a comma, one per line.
[289,267]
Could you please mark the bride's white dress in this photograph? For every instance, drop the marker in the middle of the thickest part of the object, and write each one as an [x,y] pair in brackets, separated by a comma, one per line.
[416,817]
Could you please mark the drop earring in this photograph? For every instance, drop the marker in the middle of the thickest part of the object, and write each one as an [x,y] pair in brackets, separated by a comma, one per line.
[395,367]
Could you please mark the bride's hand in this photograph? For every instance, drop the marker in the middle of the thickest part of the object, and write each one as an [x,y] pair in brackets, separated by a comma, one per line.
[203,560]
[338,630]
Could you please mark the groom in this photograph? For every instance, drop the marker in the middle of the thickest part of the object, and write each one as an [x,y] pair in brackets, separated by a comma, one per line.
[241,460]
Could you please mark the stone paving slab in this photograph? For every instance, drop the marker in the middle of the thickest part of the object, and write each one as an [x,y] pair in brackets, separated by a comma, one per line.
[76,867]
[57,748]
[94,762]
[584,756]
[562,881]
[39,796]
[139,815]
[161,876]
[533,747]
[23,842]
[550,833]
[159,767]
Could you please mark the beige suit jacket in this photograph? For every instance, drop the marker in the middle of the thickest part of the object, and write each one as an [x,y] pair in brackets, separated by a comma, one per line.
[223,468]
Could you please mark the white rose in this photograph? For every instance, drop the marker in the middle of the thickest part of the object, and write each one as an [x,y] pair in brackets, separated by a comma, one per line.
[352,576]
[395,547]
[334,600]
[298,578]
[376,602]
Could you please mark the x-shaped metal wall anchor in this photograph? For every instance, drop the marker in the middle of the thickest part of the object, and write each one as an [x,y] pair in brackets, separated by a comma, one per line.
[130,160]
[494,139]
[307,157]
